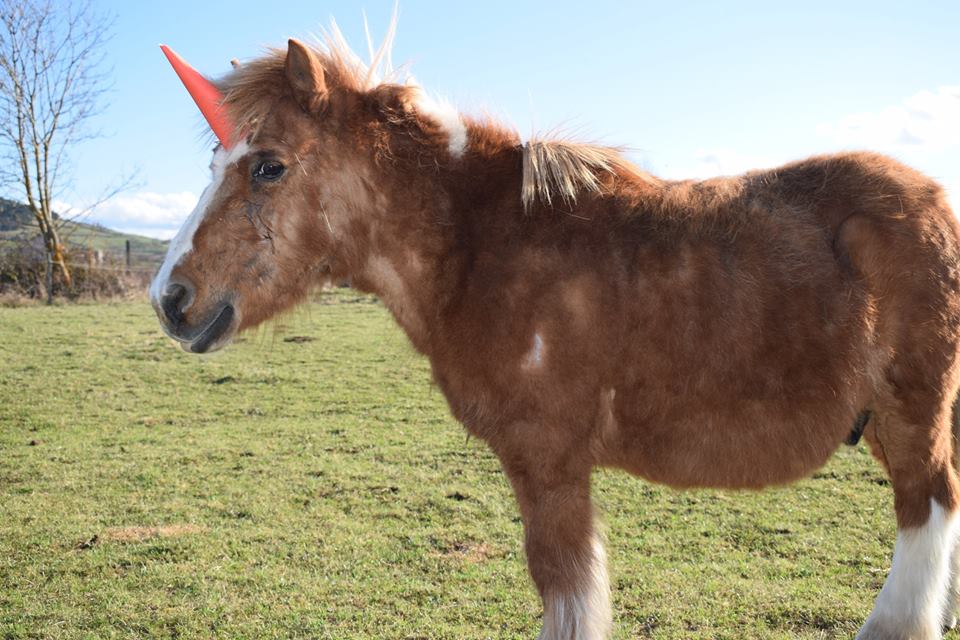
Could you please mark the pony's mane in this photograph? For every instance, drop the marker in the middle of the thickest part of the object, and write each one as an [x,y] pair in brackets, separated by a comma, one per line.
[553,168]
[561,169]
[250,89]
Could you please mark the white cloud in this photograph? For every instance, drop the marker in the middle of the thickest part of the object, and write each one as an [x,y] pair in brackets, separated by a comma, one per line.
[926,121]
[923,130]
[158,215]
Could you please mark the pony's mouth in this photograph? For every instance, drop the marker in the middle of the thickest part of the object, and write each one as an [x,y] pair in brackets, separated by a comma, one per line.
[212,337]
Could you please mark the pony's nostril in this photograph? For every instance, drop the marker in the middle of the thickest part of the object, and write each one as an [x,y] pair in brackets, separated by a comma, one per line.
[173,302]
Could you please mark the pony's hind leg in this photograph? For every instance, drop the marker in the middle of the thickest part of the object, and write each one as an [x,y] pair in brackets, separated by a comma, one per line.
[564,551]
[913,604]
[952,613]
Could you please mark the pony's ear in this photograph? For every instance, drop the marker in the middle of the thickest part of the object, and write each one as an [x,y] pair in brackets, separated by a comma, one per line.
[305,74]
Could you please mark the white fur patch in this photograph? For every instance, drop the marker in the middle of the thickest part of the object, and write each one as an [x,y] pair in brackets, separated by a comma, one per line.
[585,613]
[444,114]
[535,356]
[913,601]
[182,243]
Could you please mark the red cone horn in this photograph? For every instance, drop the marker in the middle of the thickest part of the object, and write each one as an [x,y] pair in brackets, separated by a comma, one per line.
[205,94]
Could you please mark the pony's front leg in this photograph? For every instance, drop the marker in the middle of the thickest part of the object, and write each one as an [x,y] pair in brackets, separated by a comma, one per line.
[564,550]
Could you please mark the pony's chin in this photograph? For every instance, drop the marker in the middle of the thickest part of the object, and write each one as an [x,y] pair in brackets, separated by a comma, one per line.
[216,335]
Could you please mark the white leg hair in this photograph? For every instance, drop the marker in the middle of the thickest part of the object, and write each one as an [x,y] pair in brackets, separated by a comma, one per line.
[913,602]
[953,595]
[583,614]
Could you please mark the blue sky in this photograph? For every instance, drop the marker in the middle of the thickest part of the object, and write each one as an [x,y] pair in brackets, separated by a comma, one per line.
[692,88]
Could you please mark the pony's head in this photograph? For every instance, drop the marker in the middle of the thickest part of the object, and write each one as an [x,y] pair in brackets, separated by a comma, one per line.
[294,198]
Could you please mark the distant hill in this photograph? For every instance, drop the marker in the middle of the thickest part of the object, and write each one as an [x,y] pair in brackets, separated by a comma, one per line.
[17,226]
[14,215]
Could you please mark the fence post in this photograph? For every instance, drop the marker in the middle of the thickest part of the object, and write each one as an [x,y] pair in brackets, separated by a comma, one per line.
[128,257]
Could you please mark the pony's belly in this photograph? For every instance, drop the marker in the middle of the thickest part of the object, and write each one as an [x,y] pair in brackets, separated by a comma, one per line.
[743,418]
[731,452]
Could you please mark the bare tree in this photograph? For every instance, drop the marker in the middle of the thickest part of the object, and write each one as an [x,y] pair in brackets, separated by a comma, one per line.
[51,84]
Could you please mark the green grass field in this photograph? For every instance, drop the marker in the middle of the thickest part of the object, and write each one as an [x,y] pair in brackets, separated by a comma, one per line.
[308,482]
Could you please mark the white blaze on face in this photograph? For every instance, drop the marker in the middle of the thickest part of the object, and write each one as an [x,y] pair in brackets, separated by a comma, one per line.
[182,243]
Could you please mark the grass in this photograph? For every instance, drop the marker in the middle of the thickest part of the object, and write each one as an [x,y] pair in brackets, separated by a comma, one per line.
[309,483]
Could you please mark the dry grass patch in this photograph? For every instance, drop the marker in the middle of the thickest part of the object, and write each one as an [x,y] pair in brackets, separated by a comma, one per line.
[139,534]
[16,299]
[470,552]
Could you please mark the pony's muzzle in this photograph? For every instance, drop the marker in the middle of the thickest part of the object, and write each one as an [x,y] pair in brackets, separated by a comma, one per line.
[173,303]
[197,335]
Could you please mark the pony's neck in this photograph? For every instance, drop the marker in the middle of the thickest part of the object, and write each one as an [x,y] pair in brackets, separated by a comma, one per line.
[420,253]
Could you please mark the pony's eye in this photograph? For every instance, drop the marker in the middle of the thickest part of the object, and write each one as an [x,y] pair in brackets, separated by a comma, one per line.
[268,171]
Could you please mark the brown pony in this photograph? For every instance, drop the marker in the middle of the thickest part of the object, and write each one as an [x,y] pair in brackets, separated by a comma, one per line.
[579,312]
